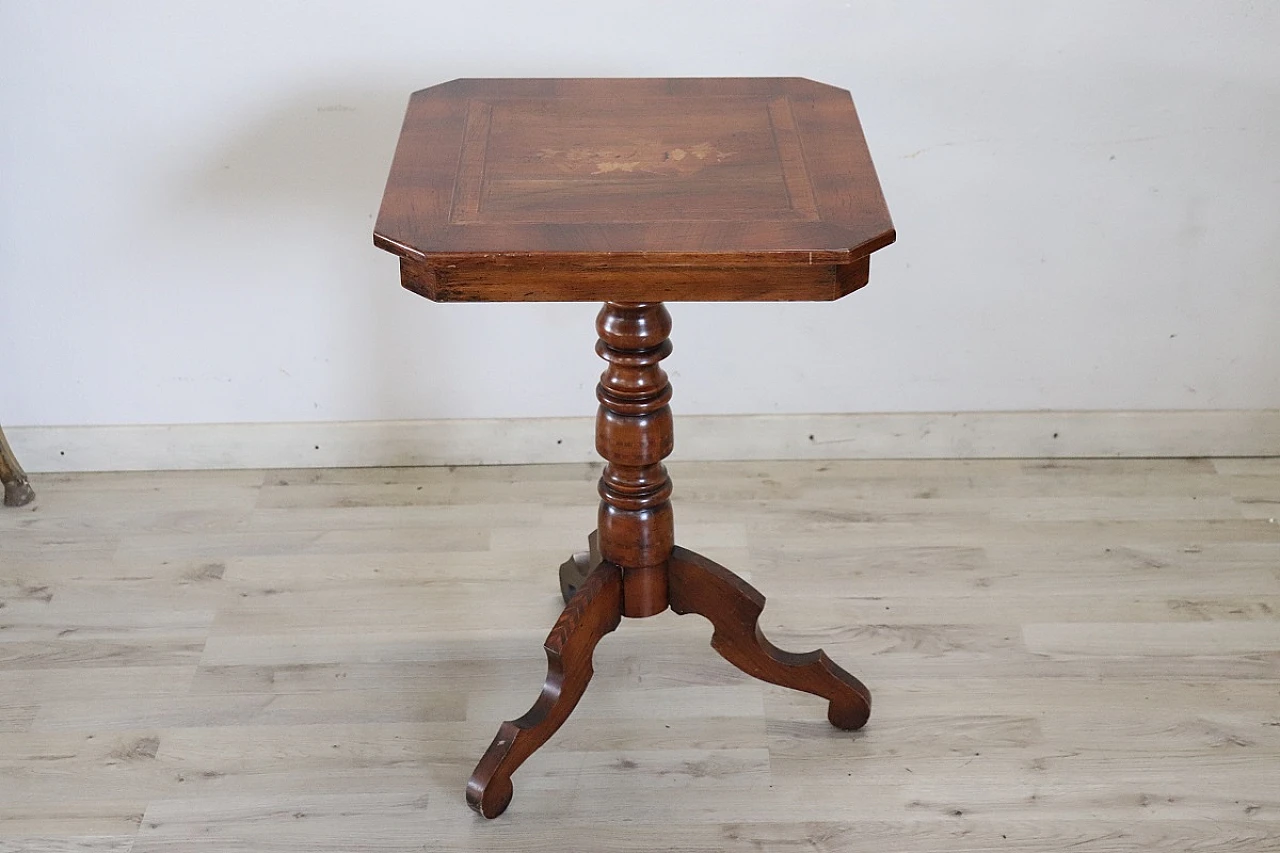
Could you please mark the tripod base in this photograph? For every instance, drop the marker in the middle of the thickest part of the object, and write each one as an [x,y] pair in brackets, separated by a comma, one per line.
[594,608]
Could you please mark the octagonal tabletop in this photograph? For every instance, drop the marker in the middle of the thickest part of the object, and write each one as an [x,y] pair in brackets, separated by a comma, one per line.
[632,190]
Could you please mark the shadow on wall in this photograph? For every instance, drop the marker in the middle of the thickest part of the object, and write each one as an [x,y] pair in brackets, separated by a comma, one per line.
[295,191]
[321,149]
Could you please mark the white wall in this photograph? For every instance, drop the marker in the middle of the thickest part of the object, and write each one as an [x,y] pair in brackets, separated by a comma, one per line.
[1087,196]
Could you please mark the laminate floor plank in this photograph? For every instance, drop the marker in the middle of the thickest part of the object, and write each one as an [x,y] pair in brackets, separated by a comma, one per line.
[1071,655]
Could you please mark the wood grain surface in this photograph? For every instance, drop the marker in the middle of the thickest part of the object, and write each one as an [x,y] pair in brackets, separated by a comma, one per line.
[633,190]
[1070,655]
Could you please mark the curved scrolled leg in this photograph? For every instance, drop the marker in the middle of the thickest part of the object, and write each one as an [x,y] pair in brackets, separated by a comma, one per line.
[17,489]
[594,611]
[574,571]
[697,585]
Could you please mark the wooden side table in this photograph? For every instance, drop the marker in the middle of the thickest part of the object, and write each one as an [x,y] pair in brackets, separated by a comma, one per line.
[17,489]
[632,193]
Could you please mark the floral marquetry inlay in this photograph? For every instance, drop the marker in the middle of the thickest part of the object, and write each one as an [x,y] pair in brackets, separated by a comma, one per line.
[651,157]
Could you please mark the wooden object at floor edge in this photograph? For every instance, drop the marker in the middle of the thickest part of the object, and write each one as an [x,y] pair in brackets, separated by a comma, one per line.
[17,488]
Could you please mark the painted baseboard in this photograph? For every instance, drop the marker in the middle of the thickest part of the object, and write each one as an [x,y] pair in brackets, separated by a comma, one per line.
[972,435]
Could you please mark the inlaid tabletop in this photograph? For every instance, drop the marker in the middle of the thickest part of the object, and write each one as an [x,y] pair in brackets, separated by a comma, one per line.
[626,189]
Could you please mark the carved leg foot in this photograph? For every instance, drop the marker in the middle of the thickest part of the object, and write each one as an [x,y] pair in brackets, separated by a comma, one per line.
[17,489]
[574,571]
[594,611]
[733,607]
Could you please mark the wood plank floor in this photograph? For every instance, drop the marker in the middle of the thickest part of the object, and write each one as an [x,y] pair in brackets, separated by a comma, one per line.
[1072,655]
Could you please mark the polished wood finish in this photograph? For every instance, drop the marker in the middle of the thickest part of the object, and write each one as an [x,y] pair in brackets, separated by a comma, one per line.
[633,567]
[634,433]
[574,571]
[593,612]
[694,584]
[633,190]
[522,281]
[17,488]
[733,607]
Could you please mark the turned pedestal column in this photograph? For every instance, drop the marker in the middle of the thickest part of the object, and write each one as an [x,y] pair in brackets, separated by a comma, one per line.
[634,193]
[635,527]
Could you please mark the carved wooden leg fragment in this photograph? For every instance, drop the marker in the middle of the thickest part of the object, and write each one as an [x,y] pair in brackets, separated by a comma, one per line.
[733,606]
[593,612]
[574,571]
[17,489]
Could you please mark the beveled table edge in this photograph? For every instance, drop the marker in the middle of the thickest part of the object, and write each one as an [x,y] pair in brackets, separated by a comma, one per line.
[498,279]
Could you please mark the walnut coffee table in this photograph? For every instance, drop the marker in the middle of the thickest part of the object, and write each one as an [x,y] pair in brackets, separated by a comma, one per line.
[632,193]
